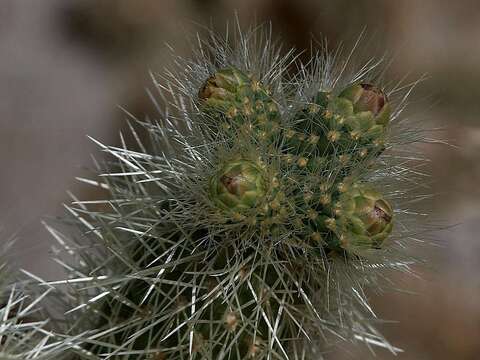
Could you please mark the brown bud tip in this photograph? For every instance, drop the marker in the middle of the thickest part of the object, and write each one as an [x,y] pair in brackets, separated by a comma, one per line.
[333,136]
[368,97]
[372,99]
[222,84]
[212,88]
[234,182]
[302,162]
[380,216]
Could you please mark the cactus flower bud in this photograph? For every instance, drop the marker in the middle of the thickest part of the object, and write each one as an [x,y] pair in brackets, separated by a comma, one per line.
[365,219]
[368,97]
[239,185]
[222,86]
[346,124]
[234,98]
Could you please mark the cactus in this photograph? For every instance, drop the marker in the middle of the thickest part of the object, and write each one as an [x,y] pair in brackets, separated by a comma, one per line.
[249,224]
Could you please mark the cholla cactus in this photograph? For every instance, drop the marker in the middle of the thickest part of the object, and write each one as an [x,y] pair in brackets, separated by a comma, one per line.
[250,223]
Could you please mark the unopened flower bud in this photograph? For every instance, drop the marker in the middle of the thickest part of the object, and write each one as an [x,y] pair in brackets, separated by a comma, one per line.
[222,85]
[239,184]
[365,219]
[368,97]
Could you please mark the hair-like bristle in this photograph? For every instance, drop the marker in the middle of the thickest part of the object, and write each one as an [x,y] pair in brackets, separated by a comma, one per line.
[24,332]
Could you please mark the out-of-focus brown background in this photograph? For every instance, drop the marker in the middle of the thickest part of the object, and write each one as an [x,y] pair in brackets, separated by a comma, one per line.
[65,65]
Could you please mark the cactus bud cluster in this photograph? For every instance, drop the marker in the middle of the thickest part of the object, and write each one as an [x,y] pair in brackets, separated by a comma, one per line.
[326,131]
[368,98]
[223,88]
[343,215]
[250,226]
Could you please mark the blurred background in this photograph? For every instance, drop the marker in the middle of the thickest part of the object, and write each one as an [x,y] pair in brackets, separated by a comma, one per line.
[67,65]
